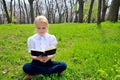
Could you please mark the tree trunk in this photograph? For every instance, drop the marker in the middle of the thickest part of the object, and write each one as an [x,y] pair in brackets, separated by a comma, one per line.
[81,7]
[54,11]
[76,13]
[60,10]
[37,7]
[90,11]
[14,14]
[23,13]
[26,11]
[66,11]
[20,11]
[104,9]
[6,11]
[31,10]
[14,8]
[40,8]
[48,10]
[99,12]
[1,16]
[72,3]
[114,10]
[2,11]
[11,10]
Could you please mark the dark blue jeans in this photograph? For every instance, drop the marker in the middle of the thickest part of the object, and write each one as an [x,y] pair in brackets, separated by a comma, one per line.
[50,67]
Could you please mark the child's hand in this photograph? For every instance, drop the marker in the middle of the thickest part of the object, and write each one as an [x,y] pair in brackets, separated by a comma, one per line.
[40,58]
[45,59]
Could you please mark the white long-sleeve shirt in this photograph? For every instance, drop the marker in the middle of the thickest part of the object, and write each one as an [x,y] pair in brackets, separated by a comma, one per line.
[41,42]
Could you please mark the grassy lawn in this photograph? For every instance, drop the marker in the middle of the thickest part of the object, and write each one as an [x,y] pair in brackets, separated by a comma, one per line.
[91,52]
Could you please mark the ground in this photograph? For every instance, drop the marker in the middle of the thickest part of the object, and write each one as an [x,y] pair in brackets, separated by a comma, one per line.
[91,51]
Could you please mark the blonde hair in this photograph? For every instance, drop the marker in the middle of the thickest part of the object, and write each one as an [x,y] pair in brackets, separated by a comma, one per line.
[41,19]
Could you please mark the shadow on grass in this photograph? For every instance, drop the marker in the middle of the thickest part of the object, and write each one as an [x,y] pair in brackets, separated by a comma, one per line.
[102,33]
[99,26]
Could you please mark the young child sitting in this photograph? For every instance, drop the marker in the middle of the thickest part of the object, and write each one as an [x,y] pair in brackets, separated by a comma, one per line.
[40,41]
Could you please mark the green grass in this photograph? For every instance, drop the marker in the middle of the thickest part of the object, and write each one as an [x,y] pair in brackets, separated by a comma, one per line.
[91,52]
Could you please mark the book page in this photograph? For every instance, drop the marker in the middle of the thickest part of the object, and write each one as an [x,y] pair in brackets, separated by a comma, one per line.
[50,48]
[37,50]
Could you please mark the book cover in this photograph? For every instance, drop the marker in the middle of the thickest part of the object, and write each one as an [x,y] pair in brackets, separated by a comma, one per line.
[48,51]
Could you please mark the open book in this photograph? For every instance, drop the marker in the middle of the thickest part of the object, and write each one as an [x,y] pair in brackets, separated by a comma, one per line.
[48,51]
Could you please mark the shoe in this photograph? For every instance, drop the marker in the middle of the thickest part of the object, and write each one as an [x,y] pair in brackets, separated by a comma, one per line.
[27,77]
[59,74]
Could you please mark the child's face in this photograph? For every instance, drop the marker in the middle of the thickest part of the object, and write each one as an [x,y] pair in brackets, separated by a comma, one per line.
[41,28]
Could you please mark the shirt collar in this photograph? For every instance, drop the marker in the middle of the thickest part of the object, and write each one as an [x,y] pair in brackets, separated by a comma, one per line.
[39,36]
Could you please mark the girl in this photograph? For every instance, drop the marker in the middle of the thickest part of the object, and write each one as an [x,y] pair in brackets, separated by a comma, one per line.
[40,41]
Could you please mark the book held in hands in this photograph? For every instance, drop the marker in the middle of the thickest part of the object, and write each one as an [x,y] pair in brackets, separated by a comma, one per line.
[48,51]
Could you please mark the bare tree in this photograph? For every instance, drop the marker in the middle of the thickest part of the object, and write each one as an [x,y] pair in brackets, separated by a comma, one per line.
[14,7]
[40,7]
[6,11]
[114,10]
[72,3]
[31,10]
[81,7]
[66,10]
[90,11]
[99,12]
[11,10]
[58,11]
[23,13]
[76,12]
[104,9]
[38,10]
[47,5]
[26,11]
[1,15]
[20,11]
[54,10]
[60,8]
